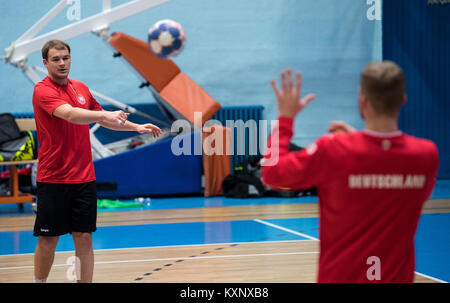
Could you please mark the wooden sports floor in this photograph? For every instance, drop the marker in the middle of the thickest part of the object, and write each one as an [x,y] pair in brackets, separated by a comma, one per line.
[197,239]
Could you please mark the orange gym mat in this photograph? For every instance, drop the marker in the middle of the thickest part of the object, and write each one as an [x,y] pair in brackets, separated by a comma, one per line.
[180,94]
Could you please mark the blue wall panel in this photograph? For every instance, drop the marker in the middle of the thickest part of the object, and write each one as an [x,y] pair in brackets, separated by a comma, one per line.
[152,170]
[416,35]
[233,49]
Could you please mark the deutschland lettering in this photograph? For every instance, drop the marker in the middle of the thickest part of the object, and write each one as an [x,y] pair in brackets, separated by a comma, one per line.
[381,181]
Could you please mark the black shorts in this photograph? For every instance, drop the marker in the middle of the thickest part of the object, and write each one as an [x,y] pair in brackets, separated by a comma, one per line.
[65,208]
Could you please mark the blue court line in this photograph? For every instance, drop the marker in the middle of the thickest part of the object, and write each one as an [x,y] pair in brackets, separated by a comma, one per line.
[432,238]
[433,246]
[9,210]
[152,235]
[432,241]
[440,191]
[307,226]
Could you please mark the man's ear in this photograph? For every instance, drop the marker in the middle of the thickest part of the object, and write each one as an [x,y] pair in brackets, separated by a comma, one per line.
[362,99]
[362,105]
[45,62]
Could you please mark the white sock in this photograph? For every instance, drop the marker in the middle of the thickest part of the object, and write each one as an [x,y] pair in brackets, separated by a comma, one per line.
[36,280]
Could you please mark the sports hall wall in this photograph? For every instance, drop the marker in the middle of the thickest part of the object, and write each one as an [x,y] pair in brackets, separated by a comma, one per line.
[416,35]
[233,49]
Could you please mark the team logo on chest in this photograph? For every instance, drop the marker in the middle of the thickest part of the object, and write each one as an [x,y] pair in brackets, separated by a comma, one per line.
[81,99]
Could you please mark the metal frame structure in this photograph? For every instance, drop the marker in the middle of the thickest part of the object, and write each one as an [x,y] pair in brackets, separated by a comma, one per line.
[99,24]
[17,53]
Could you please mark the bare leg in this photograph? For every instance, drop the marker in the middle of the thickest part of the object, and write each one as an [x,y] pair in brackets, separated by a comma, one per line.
[85,253]
[44,256]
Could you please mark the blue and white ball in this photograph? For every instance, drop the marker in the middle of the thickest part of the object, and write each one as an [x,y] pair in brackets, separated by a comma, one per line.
[166,38]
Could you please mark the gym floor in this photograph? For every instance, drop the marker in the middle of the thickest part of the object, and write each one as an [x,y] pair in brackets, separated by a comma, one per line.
[217,239]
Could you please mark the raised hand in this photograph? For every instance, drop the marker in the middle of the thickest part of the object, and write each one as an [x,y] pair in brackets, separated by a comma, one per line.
[288,98]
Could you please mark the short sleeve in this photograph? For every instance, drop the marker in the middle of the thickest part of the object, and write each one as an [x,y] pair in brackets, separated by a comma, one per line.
[93,104]
[47,98]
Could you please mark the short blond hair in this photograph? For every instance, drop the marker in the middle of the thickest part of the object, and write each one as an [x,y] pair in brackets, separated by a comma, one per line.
[383,83]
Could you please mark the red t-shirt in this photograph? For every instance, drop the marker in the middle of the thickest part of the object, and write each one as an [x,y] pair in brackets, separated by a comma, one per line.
[371,189]
[64,148]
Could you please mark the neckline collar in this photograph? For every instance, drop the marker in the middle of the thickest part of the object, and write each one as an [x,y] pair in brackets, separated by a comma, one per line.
[376,134]
[59,85]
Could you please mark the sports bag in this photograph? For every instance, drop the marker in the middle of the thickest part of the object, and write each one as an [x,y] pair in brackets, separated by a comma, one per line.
[15,145]
[8,128]
[246,181]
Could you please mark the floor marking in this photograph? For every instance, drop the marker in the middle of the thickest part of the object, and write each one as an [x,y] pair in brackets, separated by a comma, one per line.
[193,256]
[164,246]
[431,278]
[205,257]
[286,229]
[315,239]
[175,259]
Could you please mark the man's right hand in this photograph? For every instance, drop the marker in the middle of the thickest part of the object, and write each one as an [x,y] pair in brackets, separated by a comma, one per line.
[83,116]
[118,116]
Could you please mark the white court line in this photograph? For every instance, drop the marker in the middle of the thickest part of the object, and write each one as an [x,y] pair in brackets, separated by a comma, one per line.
[431,278]
[163,246]
[286,229]
[204,257]
[315,239]
[198,258]
[174,259]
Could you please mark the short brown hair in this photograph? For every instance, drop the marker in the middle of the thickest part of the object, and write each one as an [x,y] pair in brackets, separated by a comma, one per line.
[57,44]
[383,83]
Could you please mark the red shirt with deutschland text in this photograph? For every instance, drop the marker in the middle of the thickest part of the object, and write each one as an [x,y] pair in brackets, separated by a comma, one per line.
[64,148]
[371,189]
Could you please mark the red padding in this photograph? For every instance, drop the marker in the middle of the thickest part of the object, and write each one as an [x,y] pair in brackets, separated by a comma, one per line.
[158,72]
[187,97]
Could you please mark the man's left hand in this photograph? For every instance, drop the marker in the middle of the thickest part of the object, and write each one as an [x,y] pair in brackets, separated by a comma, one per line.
[146,128]
[288,98]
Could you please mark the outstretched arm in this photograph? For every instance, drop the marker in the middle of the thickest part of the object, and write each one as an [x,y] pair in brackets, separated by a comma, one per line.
[130,126]
[78,115]
[115,120]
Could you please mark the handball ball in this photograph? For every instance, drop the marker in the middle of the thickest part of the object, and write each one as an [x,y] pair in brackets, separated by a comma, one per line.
[166,38]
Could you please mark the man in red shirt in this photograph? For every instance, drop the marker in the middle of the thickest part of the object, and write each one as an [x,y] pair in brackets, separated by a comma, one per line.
[371,184]
[67,199]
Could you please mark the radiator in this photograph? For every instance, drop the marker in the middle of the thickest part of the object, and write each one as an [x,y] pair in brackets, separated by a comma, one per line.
[248,146]
[243,120]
